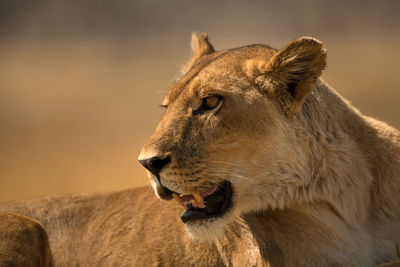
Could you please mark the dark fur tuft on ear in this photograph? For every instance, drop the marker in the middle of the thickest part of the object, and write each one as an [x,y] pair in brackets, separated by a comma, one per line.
[294,70]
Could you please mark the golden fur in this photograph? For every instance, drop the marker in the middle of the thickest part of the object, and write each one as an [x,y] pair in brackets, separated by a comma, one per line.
[315,183]
[23,242]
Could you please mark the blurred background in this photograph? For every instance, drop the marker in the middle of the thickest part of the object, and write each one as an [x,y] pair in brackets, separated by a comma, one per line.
[80,81]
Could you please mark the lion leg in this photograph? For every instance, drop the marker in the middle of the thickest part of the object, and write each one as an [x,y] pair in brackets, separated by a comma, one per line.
[23,242]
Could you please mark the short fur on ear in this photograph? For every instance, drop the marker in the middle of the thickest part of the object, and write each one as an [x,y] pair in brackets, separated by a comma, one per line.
[200,47]
[291,73]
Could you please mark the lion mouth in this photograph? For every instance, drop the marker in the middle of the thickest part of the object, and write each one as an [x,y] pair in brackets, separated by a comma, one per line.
[211,204]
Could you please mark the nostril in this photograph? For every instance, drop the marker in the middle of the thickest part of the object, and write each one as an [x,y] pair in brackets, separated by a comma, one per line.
[158,163]
[155,164]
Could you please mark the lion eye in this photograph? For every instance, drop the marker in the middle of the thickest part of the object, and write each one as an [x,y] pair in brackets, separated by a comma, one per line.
[210,102]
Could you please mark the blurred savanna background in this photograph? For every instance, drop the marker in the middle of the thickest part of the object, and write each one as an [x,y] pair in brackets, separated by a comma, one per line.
[81,81]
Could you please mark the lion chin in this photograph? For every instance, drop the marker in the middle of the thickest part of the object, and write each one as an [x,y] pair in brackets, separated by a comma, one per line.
[207,230]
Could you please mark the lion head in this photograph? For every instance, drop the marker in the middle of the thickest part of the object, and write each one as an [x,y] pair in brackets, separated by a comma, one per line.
[233,138]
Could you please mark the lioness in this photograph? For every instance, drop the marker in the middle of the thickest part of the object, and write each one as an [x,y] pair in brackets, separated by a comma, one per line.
[268,165]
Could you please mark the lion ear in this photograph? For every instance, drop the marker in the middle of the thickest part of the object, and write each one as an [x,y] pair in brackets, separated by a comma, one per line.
[292,72]
[200,47]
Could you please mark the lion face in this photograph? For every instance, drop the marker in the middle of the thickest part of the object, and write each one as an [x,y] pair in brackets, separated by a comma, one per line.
[222,146]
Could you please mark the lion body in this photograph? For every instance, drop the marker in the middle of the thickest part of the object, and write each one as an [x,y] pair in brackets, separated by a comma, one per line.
[315,183]
[127,228]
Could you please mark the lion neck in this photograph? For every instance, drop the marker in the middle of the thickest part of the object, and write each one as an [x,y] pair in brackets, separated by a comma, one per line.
[289,237]
[294,237]
[341,177]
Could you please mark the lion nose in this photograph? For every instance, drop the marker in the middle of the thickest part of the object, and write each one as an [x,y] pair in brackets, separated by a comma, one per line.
[155,164]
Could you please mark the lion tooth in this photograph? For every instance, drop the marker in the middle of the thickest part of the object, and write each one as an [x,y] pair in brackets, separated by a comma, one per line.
[198,199]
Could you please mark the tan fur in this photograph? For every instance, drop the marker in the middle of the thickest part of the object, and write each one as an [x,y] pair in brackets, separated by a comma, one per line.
[23,242]
[315,183]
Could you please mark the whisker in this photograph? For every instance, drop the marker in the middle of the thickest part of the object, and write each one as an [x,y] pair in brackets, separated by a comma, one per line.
[228,173]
